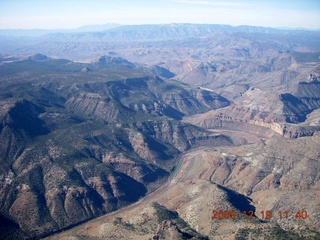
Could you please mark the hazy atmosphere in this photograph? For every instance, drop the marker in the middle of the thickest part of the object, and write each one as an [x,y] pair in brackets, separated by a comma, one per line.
[170,119]
[20,14]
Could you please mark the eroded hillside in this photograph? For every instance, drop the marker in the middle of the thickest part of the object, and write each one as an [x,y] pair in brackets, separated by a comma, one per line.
[78,145]
[275,175]
[174,120]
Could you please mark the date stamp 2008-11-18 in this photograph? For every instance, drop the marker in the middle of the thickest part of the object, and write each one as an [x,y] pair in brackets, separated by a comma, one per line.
[264,215]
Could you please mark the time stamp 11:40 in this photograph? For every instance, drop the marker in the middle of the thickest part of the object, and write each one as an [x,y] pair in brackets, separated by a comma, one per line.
[226,214]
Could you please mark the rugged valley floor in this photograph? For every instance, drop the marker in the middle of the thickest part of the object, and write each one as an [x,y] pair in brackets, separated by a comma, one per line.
[254,176]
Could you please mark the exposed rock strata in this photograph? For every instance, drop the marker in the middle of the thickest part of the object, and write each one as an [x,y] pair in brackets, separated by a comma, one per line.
[285,116]
[74,151]
[269,175]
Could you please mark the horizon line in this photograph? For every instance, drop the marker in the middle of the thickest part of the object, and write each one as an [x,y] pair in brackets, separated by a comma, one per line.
[142,24]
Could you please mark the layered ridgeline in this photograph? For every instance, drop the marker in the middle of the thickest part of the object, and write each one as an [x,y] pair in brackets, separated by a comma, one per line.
[276,95]
[78,136]
[155,43]
[290,115]
[277,175]
[80,140]
[262,70]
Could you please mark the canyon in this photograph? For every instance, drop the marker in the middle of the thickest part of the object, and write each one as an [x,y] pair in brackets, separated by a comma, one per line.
[144,131]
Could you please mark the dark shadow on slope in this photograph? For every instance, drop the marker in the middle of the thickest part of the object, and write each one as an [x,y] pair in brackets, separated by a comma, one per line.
[24,117]
[10,230]
[163,214]
[156,175]
[295,110]
[239,201]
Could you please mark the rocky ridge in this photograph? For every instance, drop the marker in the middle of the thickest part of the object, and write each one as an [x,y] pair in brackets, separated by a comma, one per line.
[264,175]
[286,115]
[76,133]
[74,150]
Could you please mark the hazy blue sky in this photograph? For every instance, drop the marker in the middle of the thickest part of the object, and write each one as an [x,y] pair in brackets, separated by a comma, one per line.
[75,13]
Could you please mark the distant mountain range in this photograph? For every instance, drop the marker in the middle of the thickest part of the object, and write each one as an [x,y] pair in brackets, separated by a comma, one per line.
[91,41]
[41,32]
[147,31]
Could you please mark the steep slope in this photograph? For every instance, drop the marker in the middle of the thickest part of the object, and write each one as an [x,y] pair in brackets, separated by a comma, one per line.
[77,145]
[75,133]
[284,114]
[309,94]
[269,175]
[156,97]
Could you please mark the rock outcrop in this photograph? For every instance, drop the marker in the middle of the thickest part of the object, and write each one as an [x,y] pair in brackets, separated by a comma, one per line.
[285,114]
[214,189]
[73,150]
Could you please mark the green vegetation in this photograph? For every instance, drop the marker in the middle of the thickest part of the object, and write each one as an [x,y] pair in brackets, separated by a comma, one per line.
[97,138]
[306,57]
[270,234]
[128,226]
[163,214]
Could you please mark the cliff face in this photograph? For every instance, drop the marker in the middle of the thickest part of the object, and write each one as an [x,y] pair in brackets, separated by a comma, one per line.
[309,93]
[120,99]
[284,114]
[266,174]
[74,150]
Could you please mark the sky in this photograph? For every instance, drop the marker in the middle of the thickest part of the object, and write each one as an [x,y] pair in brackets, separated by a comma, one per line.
[58,14]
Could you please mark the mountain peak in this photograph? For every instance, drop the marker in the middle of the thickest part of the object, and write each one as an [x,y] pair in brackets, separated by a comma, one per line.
[38,57]
[86,69]
[114,59]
